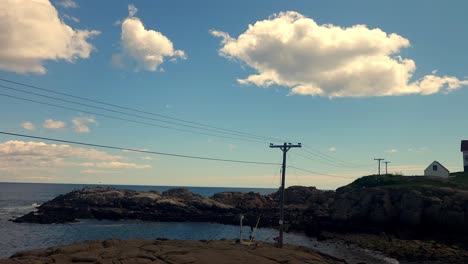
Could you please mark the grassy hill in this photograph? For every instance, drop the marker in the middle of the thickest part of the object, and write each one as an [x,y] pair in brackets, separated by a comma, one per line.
[458,180]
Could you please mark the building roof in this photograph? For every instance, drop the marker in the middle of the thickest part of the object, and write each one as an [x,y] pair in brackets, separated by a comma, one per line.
[464,145]
[435,161]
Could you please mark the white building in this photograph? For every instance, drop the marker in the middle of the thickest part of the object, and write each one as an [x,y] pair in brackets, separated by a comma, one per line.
[436,169]
[464,150]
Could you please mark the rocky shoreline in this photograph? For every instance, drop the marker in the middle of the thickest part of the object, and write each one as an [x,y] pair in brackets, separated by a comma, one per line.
[406,251]
[406,209]
[170,251]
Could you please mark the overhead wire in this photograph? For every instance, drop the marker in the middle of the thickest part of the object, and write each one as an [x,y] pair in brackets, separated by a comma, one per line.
[136,110]
[330,159]
[138,150]
[320,173]
[120,112]
[128,120]
[252,137]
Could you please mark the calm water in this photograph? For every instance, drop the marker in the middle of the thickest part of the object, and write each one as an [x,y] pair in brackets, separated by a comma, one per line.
[16,199]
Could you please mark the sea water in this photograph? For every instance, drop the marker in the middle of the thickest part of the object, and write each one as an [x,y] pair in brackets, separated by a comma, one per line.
[17,199]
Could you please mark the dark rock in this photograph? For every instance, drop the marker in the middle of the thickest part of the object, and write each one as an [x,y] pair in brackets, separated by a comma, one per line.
[425,211]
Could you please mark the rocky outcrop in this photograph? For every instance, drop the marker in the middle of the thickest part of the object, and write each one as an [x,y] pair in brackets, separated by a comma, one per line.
[108,203]
[179,205]
[425,211]
[170,251]
[420,210]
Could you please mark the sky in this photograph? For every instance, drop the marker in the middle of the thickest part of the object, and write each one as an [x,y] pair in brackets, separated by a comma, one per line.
[350,80]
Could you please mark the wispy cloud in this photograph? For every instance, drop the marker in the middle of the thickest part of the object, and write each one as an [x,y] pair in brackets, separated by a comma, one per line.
[28,126]
[82,124]
[91,171]
[232,147]
[332,149]
[391,151]
[71,18]
[67,3]
[53,124]
[112,165]
[23,155]
[417,150]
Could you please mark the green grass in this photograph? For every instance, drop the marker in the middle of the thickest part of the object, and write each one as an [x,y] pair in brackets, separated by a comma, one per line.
[459,180]
[460,177]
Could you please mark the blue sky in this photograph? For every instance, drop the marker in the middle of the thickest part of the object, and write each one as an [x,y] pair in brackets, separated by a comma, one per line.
[352,92]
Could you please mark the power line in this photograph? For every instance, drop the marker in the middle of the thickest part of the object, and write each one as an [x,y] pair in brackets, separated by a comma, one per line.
[328,157]
[324,161]
[120,112]
[137,110]
[211,128]
[320,173]
[128,120]
[138,150]
[329,160]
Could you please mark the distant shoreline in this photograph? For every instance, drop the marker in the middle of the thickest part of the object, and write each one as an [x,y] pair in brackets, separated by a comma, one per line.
[135,185]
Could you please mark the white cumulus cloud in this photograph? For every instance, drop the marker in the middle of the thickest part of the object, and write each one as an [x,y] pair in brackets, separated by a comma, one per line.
[146,48]
[81,124]
[392,151]
[292,50]
[332,149]
[28,126]
[53,124]
[32,33]
[16,148]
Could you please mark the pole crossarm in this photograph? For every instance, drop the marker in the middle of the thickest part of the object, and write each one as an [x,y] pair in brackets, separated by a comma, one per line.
[386,166]
[379,160]
[285,147]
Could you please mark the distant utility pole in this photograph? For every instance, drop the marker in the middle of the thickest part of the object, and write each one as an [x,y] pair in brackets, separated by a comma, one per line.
[379,160]
[386,164]
[285,147]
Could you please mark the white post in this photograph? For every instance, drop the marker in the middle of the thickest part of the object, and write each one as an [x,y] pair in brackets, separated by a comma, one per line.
[241,219]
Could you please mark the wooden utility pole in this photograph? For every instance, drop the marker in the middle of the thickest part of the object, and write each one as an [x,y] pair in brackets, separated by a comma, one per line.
[386,164]
[379,160]
[285,147]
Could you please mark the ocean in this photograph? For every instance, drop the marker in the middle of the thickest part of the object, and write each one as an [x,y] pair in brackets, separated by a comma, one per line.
[17,199]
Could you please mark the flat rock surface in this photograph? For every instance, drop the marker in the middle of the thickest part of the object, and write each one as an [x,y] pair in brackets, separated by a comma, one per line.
[117,251]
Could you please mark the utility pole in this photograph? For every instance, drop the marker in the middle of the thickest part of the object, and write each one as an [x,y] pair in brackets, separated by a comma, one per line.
[379,160]
[386,163]
[285,147]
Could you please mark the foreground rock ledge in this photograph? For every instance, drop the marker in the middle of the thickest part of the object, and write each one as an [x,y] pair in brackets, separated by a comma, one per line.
[117,251]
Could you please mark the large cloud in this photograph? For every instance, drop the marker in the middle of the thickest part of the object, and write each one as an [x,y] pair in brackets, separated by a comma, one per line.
[16,148]
[292,50]
[147,48]
[32,32]
[23,155]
